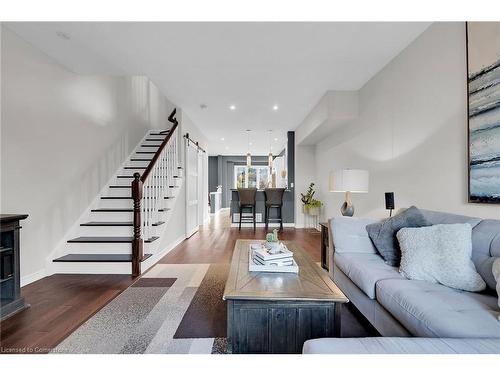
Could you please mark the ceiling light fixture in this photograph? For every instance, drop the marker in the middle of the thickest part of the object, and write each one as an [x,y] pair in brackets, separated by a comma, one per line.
[275,139]
[249,157]
[222,139]
[232,107]
[275,107]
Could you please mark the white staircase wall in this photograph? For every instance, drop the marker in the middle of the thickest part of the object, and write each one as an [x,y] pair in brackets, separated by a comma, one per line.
[64,135]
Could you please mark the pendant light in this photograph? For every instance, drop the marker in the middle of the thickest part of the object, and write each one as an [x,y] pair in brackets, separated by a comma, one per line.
[249,157]
[270,156]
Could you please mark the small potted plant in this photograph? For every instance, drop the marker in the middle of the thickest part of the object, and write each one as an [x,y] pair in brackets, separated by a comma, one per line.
[310,205]
[313,207]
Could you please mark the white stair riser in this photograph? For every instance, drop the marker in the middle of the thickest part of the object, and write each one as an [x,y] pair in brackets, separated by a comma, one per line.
[122,203]
[124,181]
[103,248]
[130,172]
[119,216]
[110,231]
[115,203]
[98,248]
[119,192]
[93,267]
[131,163]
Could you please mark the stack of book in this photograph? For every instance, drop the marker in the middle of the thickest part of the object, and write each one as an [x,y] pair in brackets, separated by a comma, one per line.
[282,258]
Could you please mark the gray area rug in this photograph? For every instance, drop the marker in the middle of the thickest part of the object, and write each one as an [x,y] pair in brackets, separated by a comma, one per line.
[173,308]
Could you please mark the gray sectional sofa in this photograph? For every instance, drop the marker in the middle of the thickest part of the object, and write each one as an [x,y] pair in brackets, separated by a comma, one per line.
[398,307]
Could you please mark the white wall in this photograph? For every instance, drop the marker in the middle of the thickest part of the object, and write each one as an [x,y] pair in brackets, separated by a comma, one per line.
[305,168]
[63,136]
[411,133]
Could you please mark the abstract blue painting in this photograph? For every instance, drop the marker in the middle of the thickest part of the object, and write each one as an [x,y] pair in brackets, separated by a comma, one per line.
[483,69]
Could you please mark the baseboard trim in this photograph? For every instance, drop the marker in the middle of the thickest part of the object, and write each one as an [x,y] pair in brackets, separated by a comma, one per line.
[31,278]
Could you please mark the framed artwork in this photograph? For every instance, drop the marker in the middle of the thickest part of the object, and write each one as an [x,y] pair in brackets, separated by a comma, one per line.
[483,89]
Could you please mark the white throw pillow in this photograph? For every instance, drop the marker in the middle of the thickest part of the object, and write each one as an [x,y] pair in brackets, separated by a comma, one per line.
[496,273]
[440,254]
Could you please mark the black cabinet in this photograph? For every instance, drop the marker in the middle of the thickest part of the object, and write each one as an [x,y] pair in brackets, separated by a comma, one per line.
[276,327]
[11,300]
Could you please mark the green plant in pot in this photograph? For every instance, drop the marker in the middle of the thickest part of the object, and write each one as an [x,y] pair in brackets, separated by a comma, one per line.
[308,200]
[313,207]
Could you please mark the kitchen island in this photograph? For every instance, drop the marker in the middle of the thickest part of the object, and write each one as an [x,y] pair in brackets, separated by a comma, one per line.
[288,209]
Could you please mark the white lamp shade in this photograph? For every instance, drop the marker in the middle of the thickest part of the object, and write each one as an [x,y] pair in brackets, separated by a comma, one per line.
[353,180]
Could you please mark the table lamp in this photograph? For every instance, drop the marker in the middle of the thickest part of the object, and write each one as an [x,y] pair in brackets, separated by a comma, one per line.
[349,181]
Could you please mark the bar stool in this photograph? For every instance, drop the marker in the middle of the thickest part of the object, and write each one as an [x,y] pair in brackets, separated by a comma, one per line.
[274,199]
[247,200]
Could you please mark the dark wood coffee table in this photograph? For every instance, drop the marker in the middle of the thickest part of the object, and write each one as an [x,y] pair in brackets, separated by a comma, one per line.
[277,312]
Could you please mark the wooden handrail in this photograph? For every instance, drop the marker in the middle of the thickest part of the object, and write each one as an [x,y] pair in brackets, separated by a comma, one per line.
[152,163]
[137,195]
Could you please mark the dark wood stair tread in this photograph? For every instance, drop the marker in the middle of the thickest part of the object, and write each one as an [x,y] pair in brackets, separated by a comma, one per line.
[112,210]
[150,145]
[155,140]
[114,224]
[122,210]
[145,152]
[98,258]
[131,167]
[108,240]
[165,132]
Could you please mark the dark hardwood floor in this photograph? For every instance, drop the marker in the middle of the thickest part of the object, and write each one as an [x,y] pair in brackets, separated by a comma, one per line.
[214,242]
[61,303]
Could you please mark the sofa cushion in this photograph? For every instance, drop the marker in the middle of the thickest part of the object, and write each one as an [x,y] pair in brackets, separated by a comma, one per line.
[496,273]
[401,345]
[383,234]
[440,254]
[434,310]
[349,235]
[365,270]
[438,217]
[485,248]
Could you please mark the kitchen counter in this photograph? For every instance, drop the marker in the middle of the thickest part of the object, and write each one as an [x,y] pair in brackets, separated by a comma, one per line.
[288,208]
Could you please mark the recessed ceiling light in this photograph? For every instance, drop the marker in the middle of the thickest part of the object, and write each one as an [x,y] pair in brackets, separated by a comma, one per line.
[63,35]
[250,143]
[276,139]
[275,107]
[232,107]
[222,139]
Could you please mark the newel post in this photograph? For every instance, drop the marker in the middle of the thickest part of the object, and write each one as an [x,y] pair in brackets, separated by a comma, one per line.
[137,242]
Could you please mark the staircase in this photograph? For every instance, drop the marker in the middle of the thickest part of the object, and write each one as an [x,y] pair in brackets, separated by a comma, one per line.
[132,211]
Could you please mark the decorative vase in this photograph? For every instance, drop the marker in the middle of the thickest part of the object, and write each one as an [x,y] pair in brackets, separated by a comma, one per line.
[305,209]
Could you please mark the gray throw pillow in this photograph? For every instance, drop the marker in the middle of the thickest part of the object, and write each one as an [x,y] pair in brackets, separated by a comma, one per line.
[496,273]
[383,234]
[440,254]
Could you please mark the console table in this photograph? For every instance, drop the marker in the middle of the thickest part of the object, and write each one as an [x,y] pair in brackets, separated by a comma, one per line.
[325,245]
[11,300]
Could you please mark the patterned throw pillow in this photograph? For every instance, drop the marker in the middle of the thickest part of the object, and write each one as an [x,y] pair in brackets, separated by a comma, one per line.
[383,234]
[496,273]
[440,254]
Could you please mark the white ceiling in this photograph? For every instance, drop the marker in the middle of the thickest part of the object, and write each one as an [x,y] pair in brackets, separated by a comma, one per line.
[250,65]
